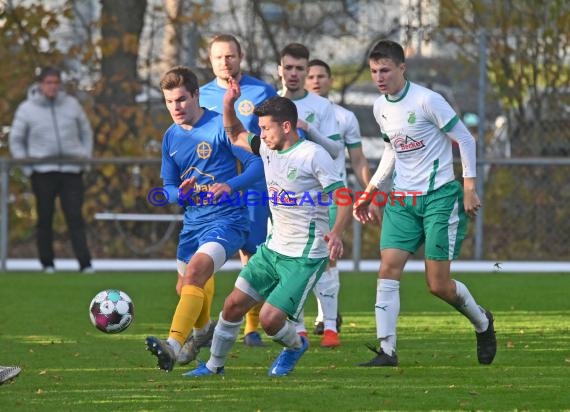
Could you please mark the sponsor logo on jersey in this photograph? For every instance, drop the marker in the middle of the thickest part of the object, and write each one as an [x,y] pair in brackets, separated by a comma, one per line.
[404,144]
[204,150]
[245,107]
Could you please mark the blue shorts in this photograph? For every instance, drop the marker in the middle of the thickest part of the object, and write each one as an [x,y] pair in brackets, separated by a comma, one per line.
[257,216]
[231,234]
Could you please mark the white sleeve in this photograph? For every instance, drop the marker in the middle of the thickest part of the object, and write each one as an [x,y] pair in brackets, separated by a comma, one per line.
[384,171]
[467,148]
[333,147]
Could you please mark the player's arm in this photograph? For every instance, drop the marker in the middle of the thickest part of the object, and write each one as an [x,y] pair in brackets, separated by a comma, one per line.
[343,218]
[234,128]
[363,211]
[359,165]
[252,173]
[333,147]
[467,149]
[353,141]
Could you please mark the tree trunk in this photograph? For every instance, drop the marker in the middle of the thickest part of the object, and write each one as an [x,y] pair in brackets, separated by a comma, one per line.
[121,26]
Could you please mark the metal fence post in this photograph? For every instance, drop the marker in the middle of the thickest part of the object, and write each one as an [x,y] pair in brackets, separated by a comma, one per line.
[479,230]
[4,174]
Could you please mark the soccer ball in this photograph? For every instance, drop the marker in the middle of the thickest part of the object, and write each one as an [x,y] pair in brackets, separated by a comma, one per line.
[111,311]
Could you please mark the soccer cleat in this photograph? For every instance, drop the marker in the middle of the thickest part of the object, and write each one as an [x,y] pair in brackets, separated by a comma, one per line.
[192,346]
[163,351]
[8,373]
[287,359]
[319,328]
[49,270]
[487,342]
[253,339]
[330,339]
[381,358]
[202,370]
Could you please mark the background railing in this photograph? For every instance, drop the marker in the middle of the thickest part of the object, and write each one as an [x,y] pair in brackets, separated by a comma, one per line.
[526,214]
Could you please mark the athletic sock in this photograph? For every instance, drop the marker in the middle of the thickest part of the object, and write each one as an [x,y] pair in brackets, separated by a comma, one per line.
[327,292]
[206,312]
[469,308]
[387,309]
[288,336]
[252,319]
[225,335]
[187,311]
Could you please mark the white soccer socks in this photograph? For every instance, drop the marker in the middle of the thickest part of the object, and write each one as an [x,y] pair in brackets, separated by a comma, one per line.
[387,309]
[326,290]
[469,308]
[225,335]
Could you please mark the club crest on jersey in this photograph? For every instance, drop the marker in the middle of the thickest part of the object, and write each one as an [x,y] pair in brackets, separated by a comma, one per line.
[292,174]
[404,144]
[204,150]
[310,118]
[411,117]
[245,107]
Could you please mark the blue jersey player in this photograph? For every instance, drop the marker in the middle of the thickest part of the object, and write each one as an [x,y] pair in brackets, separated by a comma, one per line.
[200,172]
[226,56]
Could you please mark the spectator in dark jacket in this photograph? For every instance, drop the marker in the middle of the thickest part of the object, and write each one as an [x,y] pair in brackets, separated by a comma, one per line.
[52,124]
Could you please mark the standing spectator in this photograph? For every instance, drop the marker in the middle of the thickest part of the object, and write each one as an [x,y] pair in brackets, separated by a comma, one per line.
[52,124]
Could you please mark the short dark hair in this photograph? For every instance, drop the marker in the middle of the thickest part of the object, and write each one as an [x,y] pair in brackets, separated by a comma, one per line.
[281,109]
[179,76]
[319,62]
[225,38]
[387,49]
[296,50]
[49,71]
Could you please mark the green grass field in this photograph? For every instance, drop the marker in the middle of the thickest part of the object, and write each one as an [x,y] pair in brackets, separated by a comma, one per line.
[68,365]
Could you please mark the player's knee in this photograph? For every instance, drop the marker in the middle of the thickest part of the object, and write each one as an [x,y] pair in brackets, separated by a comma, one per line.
[233,310]
[441,290]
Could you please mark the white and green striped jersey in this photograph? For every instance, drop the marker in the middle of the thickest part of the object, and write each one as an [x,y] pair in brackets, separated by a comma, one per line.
[416,124]
[299,180]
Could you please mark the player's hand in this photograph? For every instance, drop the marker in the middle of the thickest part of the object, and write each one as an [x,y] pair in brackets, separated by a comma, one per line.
[187,187]
[233,92]
[361,208]
[218,189]
[471,202]
[335,245]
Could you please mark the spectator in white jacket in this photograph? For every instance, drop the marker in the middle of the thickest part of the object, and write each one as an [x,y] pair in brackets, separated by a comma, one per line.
[52,124]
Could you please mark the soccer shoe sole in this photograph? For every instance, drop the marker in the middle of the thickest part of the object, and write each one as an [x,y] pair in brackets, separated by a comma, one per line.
[163,353]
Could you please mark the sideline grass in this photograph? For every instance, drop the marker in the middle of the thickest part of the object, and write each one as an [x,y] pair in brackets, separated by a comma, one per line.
[68,365]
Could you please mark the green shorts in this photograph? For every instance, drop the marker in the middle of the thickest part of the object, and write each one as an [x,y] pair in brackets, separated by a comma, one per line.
[283,281]
[437,218]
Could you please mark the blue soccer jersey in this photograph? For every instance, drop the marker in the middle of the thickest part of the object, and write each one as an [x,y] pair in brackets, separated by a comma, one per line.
[206,153]
[253,93]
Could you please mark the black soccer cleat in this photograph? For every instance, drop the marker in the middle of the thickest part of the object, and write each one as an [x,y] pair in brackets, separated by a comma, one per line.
[381,358]
[319,328]
[487,342]
[163,352]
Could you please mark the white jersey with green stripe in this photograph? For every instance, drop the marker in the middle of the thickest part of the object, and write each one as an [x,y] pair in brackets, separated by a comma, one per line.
[349,131]
[318,111]
[415,124]
[300,180]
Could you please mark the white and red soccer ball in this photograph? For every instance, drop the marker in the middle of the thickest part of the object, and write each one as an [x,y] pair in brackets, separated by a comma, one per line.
[111,311]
